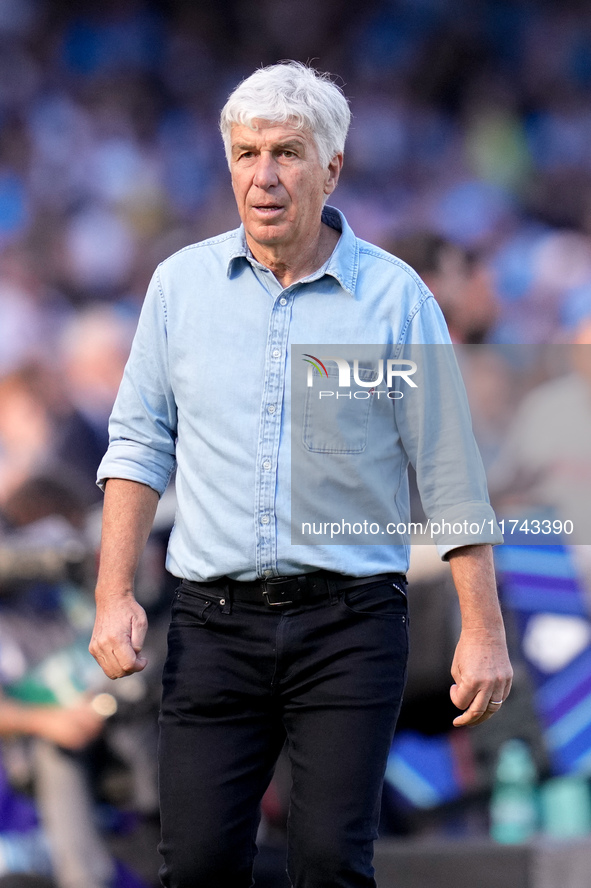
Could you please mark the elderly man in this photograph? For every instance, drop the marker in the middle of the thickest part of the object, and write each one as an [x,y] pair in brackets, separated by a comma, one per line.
[271,641]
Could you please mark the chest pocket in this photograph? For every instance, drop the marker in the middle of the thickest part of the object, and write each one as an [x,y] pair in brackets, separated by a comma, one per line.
[336,420]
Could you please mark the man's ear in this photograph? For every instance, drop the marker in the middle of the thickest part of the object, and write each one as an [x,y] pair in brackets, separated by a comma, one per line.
[332,173]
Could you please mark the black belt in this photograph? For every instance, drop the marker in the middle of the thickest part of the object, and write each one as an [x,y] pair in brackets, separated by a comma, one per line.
[281,591]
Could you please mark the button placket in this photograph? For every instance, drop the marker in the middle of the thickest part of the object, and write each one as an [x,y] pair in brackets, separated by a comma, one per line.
[270,428]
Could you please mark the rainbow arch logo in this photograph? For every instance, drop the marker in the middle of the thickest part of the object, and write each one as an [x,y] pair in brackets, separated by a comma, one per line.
[316,363]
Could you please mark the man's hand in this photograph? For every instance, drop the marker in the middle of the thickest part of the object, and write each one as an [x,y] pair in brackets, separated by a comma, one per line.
[481,669]
[118,637]
[482,674]
[121,623]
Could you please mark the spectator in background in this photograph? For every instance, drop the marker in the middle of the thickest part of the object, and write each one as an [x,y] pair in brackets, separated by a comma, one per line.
[50,692]
[545,461]
[93,349]
[462,285]
[53,419]
[457,277]
[32,438]
[40,625]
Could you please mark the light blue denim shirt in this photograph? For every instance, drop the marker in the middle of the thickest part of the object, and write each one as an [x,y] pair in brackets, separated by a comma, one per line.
[206,390]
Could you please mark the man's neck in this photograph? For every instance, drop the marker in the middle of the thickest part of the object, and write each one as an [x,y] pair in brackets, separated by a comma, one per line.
[290,266]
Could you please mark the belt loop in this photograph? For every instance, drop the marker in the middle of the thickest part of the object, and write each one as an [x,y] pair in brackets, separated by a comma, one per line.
[332,591]
[226,596]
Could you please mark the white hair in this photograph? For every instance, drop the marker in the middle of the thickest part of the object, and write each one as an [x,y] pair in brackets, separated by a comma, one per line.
[292,93]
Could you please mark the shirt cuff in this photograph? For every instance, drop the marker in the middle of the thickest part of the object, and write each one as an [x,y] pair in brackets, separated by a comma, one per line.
[136,462]
[465,524]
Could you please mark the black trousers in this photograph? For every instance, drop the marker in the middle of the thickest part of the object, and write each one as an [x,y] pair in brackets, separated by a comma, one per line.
[241,678]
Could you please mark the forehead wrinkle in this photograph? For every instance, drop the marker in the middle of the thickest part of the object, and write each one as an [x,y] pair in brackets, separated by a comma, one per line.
[264,136]
[279,143]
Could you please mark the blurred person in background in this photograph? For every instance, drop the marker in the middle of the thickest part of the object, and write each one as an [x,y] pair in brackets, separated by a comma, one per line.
[24,321]
[25,427]
[296,268]
[53,706]
[38,433]
[41,621]
[457,277]
[53,418]
[93,348]
[462,283]
[545,466]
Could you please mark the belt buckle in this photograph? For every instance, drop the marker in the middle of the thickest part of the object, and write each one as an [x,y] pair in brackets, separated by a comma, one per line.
[274,597]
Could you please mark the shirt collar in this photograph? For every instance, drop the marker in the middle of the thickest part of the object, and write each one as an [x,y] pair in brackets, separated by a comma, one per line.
[343,264]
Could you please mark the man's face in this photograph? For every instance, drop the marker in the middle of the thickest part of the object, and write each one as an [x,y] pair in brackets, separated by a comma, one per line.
[279,184]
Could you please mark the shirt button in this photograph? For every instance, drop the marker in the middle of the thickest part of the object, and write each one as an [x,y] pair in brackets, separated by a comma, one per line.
[267,464]
[268,572]
[264,519]
[283,301]
[276,352]
[271,408]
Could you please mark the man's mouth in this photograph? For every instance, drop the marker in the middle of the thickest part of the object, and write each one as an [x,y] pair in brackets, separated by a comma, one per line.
[267,209]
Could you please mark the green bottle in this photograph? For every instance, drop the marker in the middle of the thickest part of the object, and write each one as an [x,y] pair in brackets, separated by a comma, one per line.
[566,807]
[514,806]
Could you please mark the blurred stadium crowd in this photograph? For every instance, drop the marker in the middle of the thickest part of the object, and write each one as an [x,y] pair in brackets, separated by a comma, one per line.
[469,157]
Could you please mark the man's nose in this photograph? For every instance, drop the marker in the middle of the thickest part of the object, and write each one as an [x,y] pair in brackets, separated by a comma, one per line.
[266,171]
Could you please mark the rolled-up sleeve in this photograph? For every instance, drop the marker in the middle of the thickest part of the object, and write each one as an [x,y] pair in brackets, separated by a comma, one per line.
[142,427]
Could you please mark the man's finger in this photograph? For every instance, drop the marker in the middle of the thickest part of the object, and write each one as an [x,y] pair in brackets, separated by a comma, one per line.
[478,709]
[483,706]
[111,670]
[127,660]
[494,705]
[138,634]
[466,694]
[472,712]
[114,660]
